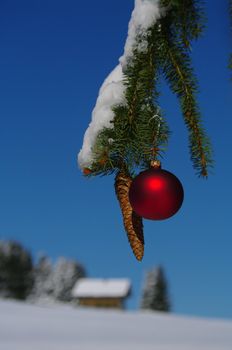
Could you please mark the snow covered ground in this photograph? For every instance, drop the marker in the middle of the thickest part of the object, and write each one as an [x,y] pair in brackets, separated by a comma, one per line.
[30,327]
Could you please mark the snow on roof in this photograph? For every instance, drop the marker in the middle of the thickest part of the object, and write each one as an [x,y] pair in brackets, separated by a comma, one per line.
[95,287]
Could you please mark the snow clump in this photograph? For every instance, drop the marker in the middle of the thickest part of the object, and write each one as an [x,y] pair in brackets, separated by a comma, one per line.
[112,91]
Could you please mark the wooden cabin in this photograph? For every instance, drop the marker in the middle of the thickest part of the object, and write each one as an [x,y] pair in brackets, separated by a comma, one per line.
[105,293]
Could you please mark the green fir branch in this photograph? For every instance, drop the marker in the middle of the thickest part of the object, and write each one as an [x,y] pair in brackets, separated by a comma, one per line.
[138,131]
[177,69]
[188,18]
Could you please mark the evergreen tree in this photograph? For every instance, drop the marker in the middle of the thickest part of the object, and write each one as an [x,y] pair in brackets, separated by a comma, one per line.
[55,282]
[16,277]
[43,287]
[155,294]
[65,275]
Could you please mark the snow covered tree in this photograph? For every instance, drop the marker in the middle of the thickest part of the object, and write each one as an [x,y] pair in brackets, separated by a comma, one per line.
[64,276]
[128,131]
[154,294]
[16,278]
[55,282]
[43,287]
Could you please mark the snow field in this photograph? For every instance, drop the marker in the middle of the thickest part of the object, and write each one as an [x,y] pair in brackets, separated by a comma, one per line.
[58,327]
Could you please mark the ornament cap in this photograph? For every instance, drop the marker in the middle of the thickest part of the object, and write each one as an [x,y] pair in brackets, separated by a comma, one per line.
[155,164]
[87,171]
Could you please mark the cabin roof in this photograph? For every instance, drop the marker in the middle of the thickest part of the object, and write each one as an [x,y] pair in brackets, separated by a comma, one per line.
[99,288]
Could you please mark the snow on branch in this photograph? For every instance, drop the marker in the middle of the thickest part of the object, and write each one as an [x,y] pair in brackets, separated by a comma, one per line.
[111,93]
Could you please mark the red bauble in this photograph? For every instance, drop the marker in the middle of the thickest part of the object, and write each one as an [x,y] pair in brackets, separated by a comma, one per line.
[156,194]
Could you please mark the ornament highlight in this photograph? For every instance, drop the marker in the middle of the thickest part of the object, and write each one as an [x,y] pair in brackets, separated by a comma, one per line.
[156,194]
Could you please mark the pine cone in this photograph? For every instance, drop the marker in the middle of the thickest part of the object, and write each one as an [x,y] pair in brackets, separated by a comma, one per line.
[132,222]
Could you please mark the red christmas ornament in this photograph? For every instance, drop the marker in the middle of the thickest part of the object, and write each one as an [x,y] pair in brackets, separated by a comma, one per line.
[156,194]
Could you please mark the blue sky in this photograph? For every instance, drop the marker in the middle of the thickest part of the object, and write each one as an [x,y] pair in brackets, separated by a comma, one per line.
[54,58]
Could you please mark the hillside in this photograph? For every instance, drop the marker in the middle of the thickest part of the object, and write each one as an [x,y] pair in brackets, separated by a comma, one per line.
[30,327]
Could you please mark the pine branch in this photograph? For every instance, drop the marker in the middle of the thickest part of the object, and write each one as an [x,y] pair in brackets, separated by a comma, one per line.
[138,130]
[177,69]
